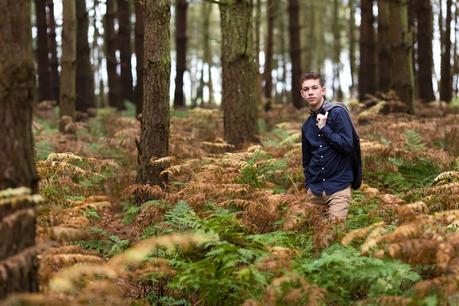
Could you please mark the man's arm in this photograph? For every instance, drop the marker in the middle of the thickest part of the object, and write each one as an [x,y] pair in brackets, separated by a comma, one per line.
[306,153]
[340,136]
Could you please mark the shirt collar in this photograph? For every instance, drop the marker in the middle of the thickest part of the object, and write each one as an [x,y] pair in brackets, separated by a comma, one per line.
[315,113]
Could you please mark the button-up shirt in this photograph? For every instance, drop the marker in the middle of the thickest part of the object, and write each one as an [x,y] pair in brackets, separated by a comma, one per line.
[327,153]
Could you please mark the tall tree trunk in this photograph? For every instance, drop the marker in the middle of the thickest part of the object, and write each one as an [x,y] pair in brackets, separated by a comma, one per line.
[352,43]
[114,92]
[268,88]
[84,74]
[238,66]
[53,60]
[295,51]
[283,49]
[367,76]
[124,46]
[97,58]
[384,51]
[207,56]
[67,87]
[180,44]
[154,134]
[455,52]
[16,96]
[257,51]
[139,41]
[425,57]
[446,82]
[336,27]
[308,31]
[401,47]
[44,81]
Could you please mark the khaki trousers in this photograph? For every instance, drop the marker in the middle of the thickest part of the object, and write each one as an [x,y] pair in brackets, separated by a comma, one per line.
[338,203]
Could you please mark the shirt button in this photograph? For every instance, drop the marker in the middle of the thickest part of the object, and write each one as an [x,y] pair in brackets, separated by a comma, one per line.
[323,168]
[323,180]
[321,146]
[321,156]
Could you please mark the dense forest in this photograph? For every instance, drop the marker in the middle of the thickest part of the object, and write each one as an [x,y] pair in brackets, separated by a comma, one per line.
[152,152]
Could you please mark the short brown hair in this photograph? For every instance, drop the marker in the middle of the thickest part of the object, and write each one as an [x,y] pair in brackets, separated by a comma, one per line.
[314,76]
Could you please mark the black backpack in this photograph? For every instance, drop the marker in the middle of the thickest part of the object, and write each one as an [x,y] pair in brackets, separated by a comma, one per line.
[356,154]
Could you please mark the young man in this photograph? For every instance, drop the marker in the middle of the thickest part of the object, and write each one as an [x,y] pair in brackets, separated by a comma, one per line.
[331,150]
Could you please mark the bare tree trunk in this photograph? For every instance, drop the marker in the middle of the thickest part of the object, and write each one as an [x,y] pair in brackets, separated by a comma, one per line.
[124,46]
[139,41]
[53,60]
[446,83]
[181,45]
[114,92]
[207,56]
[67,87]
[238,65]
[44,82]
[268,88]
[425,57]
[16,96]
[367,76]
[352,43]
[456,55]
[336,27]
[295,51]
[154,134]
[401,47]
[84,74]
[257,51]
[97,58]
[384,52]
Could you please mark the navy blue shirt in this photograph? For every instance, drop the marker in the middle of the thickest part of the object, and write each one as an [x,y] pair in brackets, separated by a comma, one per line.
[327,153]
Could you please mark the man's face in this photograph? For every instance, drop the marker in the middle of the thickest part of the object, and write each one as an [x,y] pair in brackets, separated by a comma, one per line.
[313,93]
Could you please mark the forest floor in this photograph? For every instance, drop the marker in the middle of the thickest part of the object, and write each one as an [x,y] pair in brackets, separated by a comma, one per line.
[234,228]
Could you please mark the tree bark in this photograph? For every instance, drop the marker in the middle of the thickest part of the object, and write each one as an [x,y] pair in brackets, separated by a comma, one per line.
[124,46]
[44,82]
[268,88]
[181,45]
[401,47]
[154,135]
[336,28]
[384,51]
[139,41]
[238,67]
[257,38]
[352,63]
[114,91]
[85,97]
[425,56]
[16,96]
[53,60]
[295,51]
[207,14]
[67,82]
[367,75]
[446,81]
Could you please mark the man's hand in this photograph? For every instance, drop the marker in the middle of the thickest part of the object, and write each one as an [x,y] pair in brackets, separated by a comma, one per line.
[321,120]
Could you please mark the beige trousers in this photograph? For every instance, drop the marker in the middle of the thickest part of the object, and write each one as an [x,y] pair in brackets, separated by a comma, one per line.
[338,203]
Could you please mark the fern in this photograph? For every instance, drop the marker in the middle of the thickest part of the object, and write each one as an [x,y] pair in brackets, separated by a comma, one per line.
[348,276]
[218,278]
[414,141]
[183,218]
